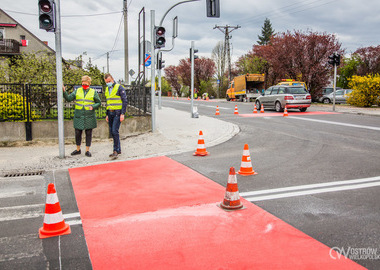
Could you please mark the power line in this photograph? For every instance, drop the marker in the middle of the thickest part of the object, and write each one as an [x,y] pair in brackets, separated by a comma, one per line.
[67,16]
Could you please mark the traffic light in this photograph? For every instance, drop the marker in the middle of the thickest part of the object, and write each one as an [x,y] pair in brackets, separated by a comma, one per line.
[160,62]
[160,37]
[193,54]
[46,17]
[213,8]
[337,59]
[332,59]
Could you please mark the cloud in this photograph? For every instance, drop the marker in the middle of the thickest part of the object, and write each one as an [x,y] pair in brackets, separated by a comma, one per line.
[354,23]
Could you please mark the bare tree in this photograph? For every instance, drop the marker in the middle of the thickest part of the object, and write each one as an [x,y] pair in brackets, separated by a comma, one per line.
[219,57]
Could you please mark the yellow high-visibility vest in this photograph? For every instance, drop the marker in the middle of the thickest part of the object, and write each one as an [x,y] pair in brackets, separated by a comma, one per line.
[114,101]
[84,101]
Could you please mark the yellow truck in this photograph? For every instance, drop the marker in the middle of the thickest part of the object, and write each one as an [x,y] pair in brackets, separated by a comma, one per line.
[246,87]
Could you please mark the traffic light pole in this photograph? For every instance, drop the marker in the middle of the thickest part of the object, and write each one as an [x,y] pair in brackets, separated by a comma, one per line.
[152,80]
[193,115]
[335,68]
[58,58]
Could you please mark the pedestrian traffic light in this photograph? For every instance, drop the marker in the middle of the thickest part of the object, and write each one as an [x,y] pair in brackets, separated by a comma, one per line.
[213,8]
[332,59]
[160,37]
[46,17]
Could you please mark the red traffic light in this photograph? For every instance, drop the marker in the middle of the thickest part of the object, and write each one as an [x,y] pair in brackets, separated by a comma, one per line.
[160,31]
[45,6]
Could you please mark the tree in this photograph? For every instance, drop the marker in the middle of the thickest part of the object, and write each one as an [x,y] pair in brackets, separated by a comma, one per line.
[204,70]
[370,60]
[250,63]
[300,56]
[171,75]
[266,33]
[40,69]
[218,55]
[348,69]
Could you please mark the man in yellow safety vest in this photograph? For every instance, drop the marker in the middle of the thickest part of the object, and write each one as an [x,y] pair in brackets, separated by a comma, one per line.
[116,108]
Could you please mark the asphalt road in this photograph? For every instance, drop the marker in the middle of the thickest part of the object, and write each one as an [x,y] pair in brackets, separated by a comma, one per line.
[312,170]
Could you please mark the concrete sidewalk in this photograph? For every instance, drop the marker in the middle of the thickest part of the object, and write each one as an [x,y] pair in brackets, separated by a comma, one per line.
[176,132]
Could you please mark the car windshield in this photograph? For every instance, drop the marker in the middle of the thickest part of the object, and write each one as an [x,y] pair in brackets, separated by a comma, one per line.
[296,90]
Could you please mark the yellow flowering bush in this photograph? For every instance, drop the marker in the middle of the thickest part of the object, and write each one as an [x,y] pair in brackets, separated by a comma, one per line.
[12,107]
[366,90]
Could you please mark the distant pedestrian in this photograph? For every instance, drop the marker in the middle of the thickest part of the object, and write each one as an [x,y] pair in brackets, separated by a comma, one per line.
[116,108]
[86,102]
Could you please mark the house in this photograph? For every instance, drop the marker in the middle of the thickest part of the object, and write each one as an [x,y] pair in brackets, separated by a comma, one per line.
[16,39]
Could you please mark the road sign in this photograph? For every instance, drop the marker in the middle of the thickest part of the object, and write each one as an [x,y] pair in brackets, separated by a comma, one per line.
[218,81]
[131,72]
[148,60]
[97,88]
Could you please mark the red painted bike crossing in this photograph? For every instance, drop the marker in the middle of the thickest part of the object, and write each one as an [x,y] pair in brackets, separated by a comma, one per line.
[159,214]
[270,114]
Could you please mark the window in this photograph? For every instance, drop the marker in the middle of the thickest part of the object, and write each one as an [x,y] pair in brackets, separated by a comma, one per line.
[2,33]
[274,91]
[339,92]
[296,90]
[267,92]
[22,37]
[282,90]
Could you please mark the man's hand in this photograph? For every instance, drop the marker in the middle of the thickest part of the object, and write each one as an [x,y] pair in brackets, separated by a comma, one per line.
[121,117]
[64,89]
[107,118]
[91,108]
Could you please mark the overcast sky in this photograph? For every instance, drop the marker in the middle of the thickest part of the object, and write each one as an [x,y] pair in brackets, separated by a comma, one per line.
[355,23]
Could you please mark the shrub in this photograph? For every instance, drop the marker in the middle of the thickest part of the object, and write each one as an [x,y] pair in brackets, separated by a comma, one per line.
[13,107]
[366,90]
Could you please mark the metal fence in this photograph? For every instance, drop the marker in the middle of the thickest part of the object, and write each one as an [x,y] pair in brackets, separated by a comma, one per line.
[33,102]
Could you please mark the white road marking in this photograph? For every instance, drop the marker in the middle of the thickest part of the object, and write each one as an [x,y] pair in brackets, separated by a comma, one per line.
[71,215]
[294,191]
[336,123]
[74,222]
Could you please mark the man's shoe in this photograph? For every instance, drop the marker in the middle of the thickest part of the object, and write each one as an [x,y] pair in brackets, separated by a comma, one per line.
[88,154]
[75,152]
[114,155]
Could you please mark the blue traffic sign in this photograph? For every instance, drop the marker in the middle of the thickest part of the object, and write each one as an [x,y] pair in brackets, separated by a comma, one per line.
[148,60]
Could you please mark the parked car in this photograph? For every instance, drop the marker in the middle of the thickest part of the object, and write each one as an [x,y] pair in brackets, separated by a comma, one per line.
[326,91]
[278,96]
[340,96]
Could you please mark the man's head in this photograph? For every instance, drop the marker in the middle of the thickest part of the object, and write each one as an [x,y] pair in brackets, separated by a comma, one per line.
[108,78]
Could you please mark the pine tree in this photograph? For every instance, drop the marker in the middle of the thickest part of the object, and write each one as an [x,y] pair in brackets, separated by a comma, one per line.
[266,33]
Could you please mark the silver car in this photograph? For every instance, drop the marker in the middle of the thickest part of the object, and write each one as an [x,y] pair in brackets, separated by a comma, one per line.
[340,96]
[278,96]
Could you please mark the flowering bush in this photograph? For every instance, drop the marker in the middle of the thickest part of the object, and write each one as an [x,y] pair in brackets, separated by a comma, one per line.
[366,90]
[13,107]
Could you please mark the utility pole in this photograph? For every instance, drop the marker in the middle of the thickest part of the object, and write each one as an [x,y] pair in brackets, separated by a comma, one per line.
[226,30]
[108,62]
[126,56]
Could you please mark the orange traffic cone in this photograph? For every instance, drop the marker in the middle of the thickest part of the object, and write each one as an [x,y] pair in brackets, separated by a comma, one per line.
[177,97]
[262,108]
[246,164]
[286,112]
[236,110]
[188,98]
[231,199]
[255,109]
[217,110]
[201,150]
[54,224]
